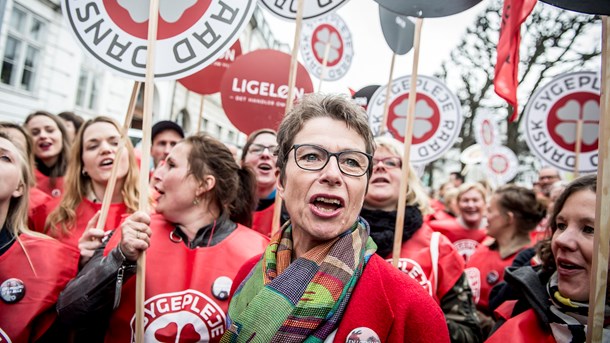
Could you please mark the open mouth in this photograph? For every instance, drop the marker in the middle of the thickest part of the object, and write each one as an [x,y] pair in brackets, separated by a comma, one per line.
[45,145]
[564,264]
[159,191]
[380,180]
[326,204]
[106,162]
[264,166]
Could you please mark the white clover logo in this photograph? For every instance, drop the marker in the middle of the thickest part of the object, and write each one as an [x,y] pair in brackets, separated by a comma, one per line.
[169,10]
[570,113]
[323,37]
[423,114]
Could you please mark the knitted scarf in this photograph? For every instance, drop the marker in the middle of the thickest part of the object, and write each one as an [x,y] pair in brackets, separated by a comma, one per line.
[301,300]
[569,318]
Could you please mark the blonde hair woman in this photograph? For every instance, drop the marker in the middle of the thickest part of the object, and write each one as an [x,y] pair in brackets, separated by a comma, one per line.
[34,268]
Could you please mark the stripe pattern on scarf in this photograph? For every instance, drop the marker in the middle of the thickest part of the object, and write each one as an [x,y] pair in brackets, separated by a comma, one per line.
[302,300]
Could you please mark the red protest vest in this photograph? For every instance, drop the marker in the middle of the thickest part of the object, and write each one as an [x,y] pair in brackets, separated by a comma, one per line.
[187,290]
[416,261]
[484,270]
[262,221]
[43,183]
[84,212]
[55,264]
[523,328]
[38,199]
[465,240]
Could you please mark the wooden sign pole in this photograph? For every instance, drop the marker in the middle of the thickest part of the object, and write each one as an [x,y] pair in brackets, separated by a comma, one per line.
[386,107]
[277,206]
[601,240]
[404,181]
[578,147]
[200,117]
[324,63]
[149,88]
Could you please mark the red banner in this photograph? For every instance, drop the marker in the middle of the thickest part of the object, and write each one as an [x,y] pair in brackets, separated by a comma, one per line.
[514,14]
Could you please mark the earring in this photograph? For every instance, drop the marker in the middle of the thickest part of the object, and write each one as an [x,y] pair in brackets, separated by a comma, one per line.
[84,172]
[196,201]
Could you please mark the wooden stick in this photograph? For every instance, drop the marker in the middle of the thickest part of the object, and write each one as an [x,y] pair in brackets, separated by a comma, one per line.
[406,158]
[599,271]
[386,107]
[199,119]
[324,63]
[101,222]
[149,91]
[277,206]
[578,147]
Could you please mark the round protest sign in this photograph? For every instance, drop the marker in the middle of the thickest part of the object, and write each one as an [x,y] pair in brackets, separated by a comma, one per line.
[427,8]
[363,96]
[287,10]
[551,119]
[207,80]
[327,36]
[437,116]
[486,132]
[472,155]
[502,164]
[191,34]
[397,30]
[255,87]
[583,6]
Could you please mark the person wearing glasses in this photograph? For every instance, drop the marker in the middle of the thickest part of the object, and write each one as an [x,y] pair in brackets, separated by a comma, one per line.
[426,256]
[320,273]
[258,155]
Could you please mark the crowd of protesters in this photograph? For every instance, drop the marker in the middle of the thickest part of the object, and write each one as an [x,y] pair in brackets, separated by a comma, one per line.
[475,264]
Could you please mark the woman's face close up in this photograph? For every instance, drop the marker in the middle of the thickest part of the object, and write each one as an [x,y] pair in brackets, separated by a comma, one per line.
[472,207]
[100,144]
[47,138]
[384,186]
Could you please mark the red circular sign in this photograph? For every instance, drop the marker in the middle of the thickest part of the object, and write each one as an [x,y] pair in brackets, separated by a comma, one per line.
[174,16]
[498,163]
[487,132]
[327,34]
[427,117]
[563,117]
[207,80]
[255,87]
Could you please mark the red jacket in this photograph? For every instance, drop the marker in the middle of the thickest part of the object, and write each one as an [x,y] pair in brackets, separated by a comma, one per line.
[416,261]
[38,198]
[386,302]
[54,264]
[262,221]
[523,328]
[43,183]
[187,290]
[465,240]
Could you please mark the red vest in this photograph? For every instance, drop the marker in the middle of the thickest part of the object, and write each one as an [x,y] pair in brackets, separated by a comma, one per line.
[523,328]
[55,264]
[262,221]
[187,290]
[416,261]
[465,240]
[484,270]
[43,183]
[38,198]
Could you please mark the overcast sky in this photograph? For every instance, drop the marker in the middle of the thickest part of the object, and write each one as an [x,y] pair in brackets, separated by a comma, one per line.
[372,56]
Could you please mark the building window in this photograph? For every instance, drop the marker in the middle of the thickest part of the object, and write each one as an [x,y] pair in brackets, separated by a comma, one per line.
[23,49]
[88,88]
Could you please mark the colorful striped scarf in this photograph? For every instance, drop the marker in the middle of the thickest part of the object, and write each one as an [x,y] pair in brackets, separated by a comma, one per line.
[301,300]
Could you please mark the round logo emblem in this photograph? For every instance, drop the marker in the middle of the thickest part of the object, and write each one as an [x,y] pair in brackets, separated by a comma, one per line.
[486,132]
[12,290]
[437,116]
[502,165]
[415,271]
[4,337]
[466,247]
[191,35]
[552,116]
[187,316]
[330,37]
[221,288]
[287,10]
[362,335]
[493,277]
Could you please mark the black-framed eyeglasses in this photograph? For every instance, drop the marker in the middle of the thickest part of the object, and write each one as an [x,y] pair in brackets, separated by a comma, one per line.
[313,158]
[258,149]
[388,162]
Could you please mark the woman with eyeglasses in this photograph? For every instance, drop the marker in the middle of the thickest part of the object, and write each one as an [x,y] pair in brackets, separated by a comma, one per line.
[195,244]
[426,256]
[259,155]
[319,279]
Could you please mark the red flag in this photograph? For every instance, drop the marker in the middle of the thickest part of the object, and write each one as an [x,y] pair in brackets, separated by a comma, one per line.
[514,14]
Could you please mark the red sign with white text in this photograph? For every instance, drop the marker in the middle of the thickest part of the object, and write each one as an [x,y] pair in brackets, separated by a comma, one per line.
[207,81]
[255,87]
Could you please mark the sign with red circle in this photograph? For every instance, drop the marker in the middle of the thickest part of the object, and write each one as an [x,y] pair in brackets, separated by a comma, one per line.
[255,87]
[552,116]
[191,34]
[329,33]
[486,132]
[207,80]
[287,10]
[502,165]
[438,117]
